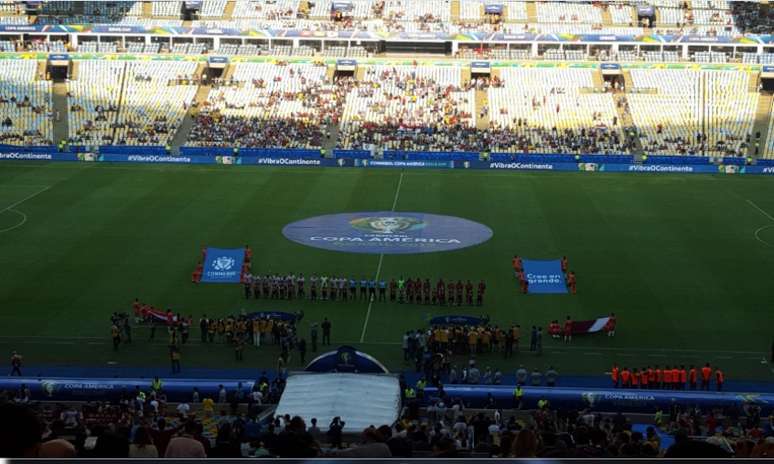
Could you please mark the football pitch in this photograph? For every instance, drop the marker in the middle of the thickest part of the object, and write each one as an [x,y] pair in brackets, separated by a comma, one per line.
[685,261]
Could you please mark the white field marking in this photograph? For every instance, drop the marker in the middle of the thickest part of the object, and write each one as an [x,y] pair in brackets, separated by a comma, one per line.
[381,259]
[24,216]
[7,208]
[761,229]
[23,221]
[757,234]
[752,203]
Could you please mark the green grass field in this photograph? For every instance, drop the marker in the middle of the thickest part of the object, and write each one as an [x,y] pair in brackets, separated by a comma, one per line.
[675,256]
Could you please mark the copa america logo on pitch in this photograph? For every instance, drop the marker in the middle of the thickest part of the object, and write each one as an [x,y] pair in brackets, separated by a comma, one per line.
[387,225]
[387,232]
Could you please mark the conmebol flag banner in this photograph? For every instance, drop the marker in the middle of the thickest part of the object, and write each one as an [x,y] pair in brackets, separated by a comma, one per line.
[594,325]
[223,265]
[544,276]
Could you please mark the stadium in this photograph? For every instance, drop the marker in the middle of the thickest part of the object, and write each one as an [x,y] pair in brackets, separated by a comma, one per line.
[387,229]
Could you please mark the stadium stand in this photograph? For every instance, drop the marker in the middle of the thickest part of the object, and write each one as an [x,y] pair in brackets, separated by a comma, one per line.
[551,111]
[25,104]
[692,112]
[93,102]
[286,106]
[410,108]
[154,101]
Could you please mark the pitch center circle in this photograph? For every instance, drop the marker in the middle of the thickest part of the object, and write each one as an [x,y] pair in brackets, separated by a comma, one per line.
[387,232]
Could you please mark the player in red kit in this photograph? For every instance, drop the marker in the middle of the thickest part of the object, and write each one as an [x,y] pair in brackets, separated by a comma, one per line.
[523,282]
[568,330]
[460,288]
[610,326]
[426,291]
[469,293]
[516,264]
[571,282]
[480,295]
[196,276]
[565,265]
[450,292]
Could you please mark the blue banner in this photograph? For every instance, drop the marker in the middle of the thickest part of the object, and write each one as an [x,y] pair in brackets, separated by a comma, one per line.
[628,400]
[346,359]
[111,389]
[218,59]
[459,320]
[525,166]
[151,158]
[277,161]
[544,276]
[661,168]
[480,64]
[765,170]
[274,315]
[493,8]
[339,5]
[223,265]
[366,163]
[37,156]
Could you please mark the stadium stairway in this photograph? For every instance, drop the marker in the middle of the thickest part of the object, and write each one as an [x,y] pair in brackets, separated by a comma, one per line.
[41,74]
[59,101]
[626,122]
[628,82]
[455,10]
[329,143]
[598,80]
[532,12]
[763,115]
[466,75]
[482,100]
[607,18]
[147,9]
[184,131]
[228,12]
[228,72]
[120,99]
[754,81]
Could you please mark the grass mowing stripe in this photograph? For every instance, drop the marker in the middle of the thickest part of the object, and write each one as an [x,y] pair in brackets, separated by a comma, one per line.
[381,259]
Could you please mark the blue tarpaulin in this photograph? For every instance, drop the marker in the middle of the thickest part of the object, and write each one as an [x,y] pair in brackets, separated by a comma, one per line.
[341,6]
[544,276]
[223,265]
[459,320]
[493,8]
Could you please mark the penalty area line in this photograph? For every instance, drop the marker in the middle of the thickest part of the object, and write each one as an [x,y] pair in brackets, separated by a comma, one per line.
[762,228]
[381,259]
[11,209]
[12,206]
[761,210]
